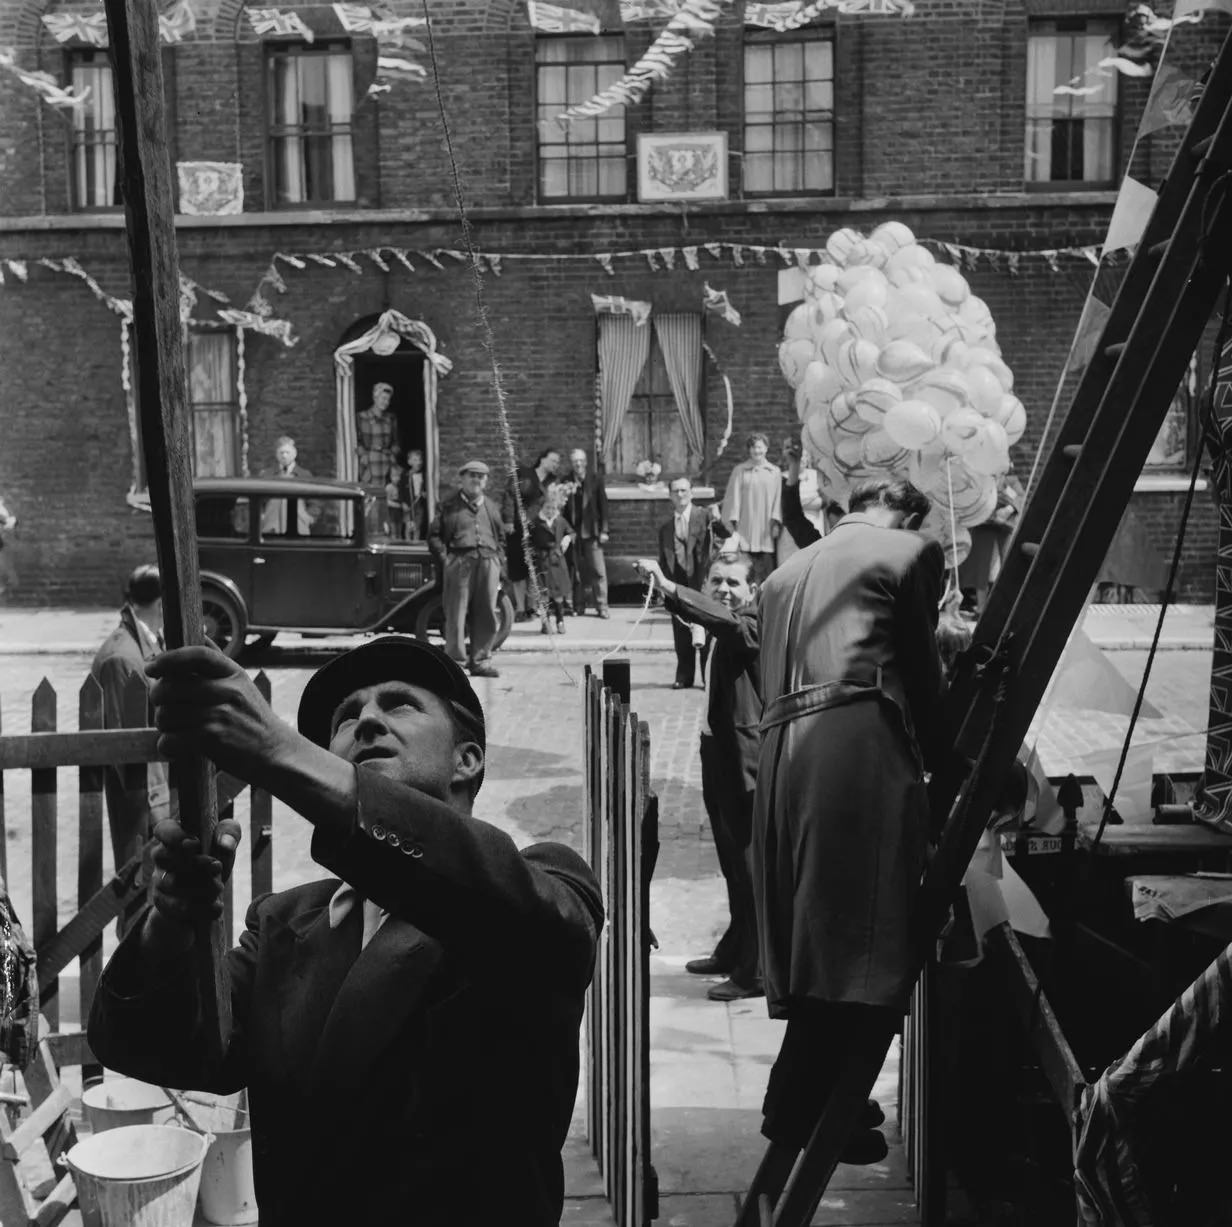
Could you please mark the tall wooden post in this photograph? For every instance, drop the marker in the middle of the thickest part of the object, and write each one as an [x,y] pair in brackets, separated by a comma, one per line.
[161,392]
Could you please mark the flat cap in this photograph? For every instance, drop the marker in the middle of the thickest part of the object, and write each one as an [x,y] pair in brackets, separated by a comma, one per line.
[390,658]
[474,466]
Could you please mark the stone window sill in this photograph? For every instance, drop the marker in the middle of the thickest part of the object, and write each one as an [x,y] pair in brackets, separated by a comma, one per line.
[630,494]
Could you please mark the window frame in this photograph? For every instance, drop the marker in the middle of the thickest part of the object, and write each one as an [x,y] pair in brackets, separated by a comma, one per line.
[1076,23]
[272,49]
[629,155]
[74,56]
[821,33]
[233,406]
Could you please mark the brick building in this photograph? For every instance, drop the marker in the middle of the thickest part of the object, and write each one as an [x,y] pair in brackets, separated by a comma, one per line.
[938,120]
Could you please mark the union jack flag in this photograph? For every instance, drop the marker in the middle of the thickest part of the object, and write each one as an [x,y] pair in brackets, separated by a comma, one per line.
[555,19]
[276,22]
[85,27]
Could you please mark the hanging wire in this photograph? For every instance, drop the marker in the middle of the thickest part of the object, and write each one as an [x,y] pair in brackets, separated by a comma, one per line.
[1208,417]
[488,340]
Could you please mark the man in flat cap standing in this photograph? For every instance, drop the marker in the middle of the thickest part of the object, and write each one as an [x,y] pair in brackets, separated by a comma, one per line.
[467,537]
[408,1028]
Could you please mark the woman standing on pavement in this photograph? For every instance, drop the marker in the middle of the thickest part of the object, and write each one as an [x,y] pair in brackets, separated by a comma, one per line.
[752,505]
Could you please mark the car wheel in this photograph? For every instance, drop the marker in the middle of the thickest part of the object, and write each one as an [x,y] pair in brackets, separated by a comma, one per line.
[225,622]
[430,620]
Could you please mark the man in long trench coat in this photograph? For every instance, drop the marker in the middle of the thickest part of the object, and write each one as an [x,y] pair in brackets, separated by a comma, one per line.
[850,672]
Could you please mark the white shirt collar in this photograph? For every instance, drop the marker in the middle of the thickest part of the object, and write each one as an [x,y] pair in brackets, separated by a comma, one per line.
[343,901]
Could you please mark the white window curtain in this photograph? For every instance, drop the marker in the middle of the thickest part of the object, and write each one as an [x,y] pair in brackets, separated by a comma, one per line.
[291,148]
[212,395]
[339,100]
[623,349]
[680,340]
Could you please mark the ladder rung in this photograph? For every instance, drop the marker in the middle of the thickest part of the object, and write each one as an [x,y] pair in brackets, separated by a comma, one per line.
[1157,250]
[1199,148]
[1071,451]
[1115,350]
[1030,548]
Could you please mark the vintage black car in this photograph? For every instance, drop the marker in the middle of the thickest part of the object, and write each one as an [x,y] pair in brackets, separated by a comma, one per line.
[301,554]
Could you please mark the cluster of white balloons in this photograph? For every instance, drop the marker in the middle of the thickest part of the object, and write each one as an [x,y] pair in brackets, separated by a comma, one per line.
[897,370]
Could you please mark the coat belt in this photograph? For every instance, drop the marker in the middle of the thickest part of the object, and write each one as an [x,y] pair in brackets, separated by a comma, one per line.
[810,699]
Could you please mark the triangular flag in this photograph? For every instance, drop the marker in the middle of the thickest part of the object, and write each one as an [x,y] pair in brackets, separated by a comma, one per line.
[1133,797]
[1134,205]
[1088,681]
[1090,329]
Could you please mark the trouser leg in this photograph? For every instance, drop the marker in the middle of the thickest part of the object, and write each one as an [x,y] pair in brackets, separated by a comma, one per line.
[456,599]
[686,653]
[596,565]
[485,589]
[817,1042]
[727,948]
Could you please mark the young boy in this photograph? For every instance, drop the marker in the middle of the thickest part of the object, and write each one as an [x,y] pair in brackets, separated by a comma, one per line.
[729,748]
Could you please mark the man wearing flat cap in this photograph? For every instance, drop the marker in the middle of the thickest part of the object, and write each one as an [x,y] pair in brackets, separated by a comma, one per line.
[468,538]
[407,1029]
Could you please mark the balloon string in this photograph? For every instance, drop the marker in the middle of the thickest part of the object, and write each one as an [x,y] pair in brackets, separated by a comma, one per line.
[949,482]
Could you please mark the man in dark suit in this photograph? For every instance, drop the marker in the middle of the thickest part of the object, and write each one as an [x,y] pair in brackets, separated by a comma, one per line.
[729,745]
[138,794]
[407,1029]
[684,555]
[586,510]
[851,677]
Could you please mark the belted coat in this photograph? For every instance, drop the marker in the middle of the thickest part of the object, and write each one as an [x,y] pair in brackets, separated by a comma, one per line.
[427,1078]
[849,671]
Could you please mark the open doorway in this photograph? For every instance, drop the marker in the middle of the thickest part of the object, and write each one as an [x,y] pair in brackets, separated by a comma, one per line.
[401,353]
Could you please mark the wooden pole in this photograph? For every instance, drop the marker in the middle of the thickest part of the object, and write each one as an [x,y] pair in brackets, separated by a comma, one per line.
[161,393]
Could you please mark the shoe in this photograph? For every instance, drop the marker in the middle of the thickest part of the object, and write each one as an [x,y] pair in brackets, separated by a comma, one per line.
[560,626]
[682,685]
[872,1116]
[543,627]
[603,613]
[729,990]
[480,668]
[709,966]
[865,1146]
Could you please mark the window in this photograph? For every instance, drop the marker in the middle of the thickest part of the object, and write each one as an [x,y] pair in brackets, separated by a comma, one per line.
[1071,103]
[310,94]
[329,518]
[222,517]
[586,159]
[214,404]
[652,429]
[94,132]
[788,115]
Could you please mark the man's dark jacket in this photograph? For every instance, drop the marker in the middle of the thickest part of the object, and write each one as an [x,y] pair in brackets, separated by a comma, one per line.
[697,548]
[429,1079]
[733,713]
[587,506]
[454,522]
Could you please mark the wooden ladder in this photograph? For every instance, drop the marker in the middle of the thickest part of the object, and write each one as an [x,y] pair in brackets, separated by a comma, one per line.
[48,1124]
[1164,302]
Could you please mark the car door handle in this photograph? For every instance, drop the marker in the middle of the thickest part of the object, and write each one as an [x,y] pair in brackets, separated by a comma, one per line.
[258,559]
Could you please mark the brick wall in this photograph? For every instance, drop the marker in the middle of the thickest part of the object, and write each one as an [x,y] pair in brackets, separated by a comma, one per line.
[904,127]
